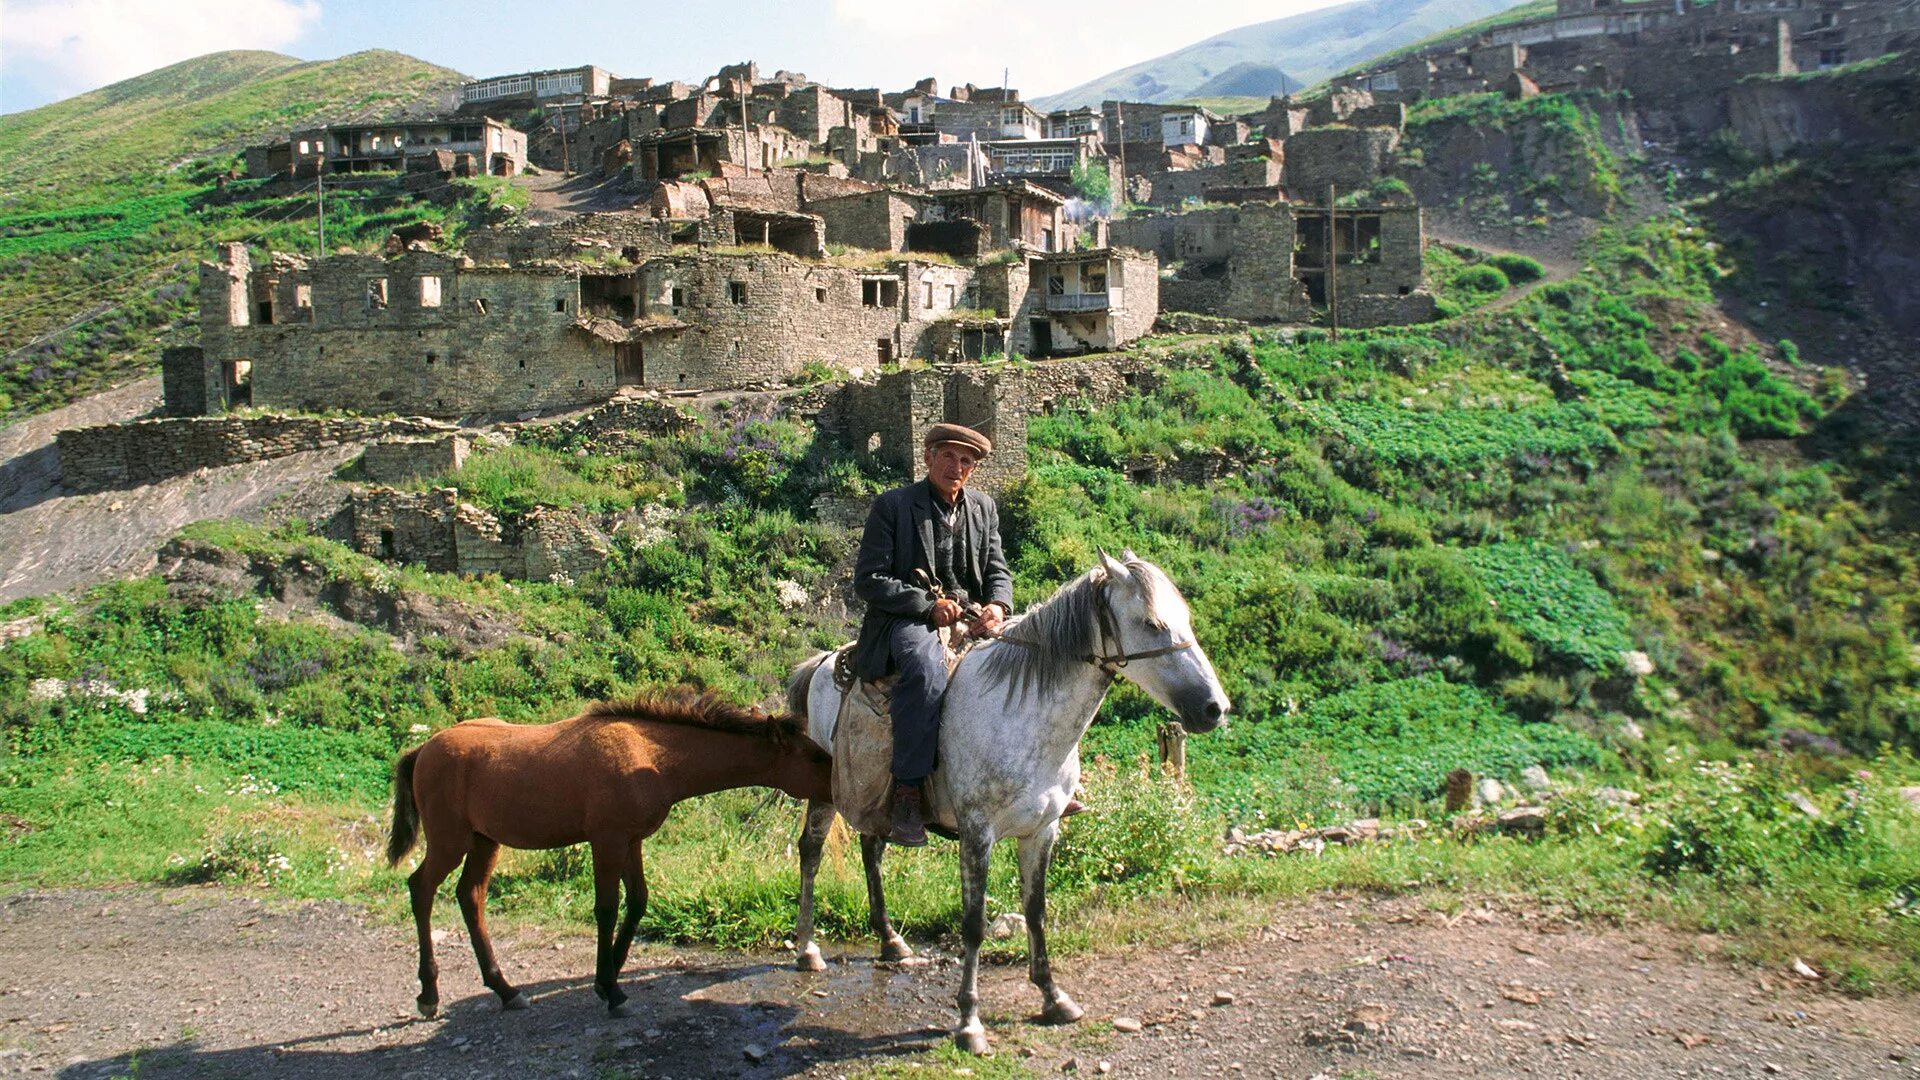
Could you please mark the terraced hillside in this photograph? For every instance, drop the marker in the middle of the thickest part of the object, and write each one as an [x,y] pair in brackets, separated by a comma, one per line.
[107,200]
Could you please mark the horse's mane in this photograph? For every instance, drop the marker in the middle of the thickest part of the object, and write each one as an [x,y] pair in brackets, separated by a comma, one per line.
[707,711]
[1057,632]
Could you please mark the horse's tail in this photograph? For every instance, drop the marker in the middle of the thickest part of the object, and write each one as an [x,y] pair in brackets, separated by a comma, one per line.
[406,816]
[802,681]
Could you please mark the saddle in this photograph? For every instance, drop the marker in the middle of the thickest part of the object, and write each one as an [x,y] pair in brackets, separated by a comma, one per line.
[863,746]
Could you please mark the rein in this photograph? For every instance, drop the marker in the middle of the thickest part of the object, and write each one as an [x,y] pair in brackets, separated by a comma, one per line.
[1111,664]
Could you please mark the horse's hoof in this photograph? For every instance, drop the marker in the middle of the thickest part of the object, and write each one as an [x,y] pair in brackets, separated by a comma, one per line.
[429,1007]
[599,991]
[972,1040]
[810,959]
[895,948]
[515,1003]
[1061,1010]
[620,1011]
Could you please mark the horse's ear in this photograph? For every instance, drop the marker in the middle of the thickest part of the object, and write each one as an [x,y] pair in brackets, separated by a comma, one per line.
[1128,556]
[1115,571]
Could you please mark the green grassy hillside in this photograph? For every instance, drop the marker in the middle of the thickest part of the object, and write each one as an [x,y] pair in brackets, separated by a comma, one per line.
[108,199]
[135,130]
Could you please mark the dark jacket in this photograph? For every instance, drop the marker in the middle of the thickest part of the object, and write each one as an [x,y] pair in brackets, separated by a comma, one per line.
[899,539]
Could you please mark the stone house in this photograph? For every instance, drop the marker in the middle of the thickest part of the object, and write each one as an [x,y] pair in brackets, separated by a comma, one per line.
[403,146]
[508,94]
[443,335]
[1269,262]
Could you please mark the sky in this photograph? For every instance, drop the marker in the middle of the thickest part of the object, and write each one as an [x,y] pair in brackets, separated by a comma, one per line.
[53,49]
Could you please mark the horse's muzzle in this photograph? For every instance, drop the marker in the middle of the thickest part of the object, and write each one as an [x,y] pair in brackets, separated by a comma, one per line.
[1204,715]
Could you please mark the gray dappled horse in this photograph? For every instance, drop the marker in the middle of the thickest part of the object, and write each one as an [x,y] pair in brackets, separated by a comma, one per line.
[1010,749]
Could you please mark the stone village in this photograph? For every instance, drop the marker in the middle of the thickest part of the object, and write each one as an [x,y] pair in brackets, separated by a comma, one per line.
[892,244]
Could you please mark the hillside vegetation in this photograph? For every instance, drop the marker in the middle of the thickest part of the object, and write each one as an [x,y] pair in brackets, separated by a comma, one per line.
[109,199]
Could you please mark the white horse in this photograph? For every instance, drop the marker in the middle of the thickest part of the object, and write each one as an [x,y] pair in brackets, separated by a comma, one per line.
[1010,733]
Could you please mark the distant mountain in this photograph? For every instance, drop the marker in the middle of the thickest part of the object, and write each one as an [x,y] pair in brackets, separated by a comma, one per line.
[1281,56]
[218,102]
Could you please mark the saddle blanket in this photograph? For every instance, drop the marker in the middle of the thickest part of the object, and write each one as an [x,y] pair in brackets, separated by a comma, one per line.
[863,750]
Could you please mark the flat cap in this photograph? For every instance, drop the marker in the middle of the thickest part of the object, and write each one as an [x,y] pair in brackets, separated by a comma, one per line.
[957,433]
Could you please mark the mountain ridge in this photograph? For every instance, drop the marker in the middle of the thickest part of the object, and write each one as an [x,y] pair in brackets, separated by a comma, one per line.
[1279,56]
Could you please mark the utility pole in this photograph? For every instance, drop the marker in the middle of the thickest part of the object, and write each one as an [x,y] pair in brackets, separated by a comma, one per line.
[1120,110]
[560,121]
[320,195]
[1333,269]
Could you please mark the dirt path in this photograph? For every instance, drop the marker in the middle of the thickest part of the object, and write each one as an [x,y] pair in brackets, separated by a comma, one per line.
[556,198]
[208,983]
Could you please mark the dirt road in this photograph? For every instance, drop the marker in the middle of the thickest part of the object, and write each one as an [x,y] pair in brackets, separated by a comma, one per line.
[210,983]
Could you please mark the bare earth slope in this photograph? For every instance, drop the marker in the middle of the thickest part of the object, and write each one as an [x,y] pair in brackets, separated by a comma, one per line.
[209,983]
[52,541]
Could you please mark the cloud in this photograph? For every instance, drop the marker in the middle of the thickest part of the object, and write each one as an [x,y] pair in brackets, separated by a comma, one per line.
[65,48]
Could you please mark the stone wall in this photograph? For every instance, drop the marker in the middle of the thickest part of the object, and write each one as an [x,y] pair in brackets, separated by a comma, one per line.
[589,236]
[1373,309]
[421,332]
[875,220]
[143,451]
[435,530]
[885,418]
[763,317]
[1236,263]
[1350,158]
[188,385]
[398,460]
[1241,263]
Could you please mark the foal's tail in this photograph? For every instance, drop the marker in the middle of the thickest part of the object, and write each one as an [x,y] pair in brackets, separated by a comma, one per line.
[802,681]
[406,816]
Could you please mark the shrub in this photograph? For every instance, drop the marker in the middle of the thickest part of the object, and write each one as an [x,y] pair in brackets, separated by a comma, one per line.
[1518,269]
[1147,832]
[1480,278]
[1554,602]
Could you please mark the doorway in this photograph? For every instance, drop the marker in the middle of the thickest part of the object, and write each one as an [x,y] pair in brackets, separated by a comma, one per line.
[629,364]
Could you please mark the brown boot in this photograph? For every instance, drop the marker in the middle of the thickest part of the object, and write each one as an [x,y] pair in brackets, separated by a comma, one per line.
[909,830]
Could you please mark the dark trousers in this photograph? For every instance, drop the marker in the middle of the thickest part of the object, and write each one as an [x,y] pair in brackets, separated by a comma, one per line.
[921,663]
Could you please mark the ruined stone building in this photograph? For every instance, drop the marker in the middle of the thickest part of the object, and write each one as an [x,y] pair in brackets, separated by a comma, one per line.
[548,320]
[1270,262]
[471,146]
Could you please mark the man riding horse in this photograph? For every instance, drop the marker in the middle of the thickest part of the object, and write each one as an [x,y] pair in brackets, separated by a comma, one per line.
[940,532]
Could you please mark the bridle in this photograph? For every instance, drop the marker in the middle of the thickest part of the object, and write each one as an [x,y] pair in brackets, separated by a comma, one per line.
[1109,631]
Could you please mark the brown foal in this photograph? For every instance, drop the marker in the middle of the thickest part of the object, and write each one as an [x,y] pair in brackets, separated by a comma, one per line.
[606,777]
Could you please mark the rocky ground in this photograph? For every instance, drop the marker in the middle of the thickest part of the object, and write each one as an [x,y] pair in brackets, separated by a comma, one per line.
[213,983]
[54,541]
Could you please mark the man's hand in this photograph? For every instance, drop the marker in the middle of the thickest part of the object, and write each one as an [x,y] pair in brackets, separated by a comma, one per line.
[946,612]
[988,622]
